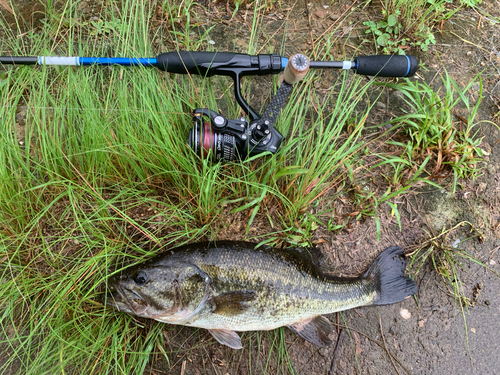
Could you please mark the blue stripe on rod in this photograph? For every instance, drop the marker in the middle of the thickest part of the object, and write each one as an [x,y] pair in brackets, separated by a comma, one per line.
[123,61]
[284,61]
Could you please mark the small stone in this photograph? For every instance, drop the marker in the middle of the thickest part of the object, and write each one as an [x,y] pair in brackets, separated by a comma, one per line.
[421,323]
[405,314]
[475,87]
[473,330]
[320,14]
[323,352]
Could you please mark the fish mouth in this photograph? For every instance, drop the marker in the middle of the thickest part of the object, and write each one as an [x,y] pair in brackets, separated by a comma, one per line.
[114,298]
[125,300]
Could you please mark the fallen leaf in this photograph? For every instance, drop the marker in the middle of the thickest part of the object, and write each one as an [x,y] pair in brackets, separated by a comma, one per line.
[422,322]
[320,14]
[358,344]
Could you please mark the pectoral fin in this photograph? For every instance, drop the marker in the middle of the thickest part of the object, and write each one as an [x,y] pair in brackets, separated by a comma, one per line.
[226,337]
[315,330]
[232,303]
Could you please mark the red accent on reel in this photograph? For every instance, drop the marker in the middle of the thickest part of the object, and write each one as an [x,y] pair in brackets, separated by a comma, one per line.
[206,139]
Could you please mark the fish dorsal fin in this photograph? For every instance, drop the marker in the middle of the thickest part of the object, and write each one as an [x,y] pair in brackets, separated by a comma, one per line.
[315,330]
[308,258]
[232,303]
[227,337]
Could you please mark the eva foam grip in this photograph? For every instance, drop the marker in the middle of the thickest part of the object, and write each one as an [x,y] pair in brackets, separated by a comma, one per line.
[296,72]
[386,65]
[184,62]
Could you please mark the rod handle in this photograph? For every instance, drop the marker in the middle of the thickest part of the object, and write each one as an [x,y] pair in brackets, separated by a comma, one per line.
[386,65]
[185,62]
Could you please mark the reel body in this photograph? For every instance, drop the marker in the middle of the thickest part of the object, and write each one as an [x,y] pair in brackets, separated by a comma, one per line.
[230,140]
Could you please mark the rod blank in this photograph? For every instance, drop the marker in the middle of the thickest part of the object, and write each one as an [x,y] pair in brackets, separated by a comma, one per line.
[18,60]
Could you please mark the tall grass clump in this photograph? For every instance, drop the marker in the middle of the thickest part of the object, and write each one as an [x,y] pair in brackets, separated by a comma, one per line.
[441,142]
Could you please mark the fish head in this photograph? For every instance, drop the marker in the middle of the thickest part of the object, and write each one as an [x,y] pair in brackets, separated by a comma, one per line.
[169,293]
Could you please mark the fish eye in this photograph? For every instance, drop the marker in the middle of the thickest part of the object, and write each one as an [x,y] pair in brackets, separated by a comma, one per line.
[141,278]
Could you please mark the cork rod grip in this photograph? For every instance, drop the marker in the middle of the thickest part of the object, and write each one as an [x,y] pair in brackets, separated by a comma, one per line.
[296,68]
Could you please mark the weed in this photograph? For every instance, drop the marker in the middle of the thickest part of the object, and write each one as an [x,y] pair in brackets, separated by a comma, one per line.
[436,130]
[99,28]
[448,262]
[408,24]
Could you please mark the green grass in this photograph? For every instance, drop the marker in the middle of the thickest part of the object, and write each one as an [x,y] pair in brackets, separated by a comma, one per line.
[103,177]
[411,25]
[441,142]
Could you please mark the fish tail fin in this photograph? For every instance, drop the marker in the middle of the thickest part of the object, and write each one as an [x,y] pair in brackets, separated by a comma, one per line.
[388,274]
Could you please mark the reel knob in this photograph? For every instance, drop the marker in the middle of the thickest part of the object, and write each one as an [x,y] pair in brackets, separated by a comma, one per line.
[296,69]
[258,133]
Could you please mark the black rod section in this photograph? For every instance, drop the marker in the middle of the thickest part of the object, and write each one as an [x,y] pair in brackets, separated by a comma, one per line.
[326,64]
[18,60]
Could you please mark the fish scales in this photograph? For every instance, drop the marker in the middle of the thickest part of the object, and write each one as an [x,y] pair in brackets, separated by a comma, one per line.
[285,292]
[287,289]
[228,286]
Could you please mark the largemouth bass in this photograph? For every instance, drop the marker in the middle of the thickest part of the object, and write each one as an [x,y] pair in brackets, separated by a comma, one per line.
[226,287]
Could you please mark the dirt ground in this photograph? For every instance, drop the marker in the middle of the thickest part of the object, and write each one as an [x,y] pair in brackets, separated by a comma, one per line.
[425,338]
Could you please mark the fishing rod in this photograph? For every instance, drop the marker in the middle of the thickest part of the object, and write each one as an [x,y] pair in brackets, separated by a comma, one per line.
[214,134]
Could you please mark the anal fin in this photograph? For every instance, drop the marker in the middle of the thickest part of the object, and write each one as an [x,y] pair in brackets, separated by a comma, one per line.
[227,337]
[315,330]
